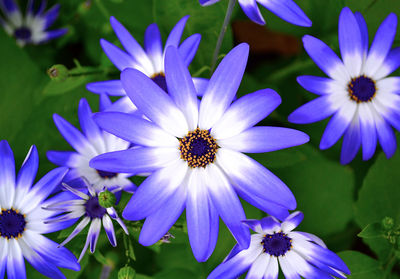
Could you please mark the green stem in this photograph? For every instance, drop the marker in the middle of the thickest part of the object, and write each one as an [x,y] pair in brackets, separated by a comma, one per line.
[103,9]
[228,16]
[389,265]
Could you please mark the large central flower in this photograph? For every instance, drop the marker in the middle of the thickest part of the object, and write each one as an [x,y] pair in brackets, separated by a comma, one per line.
[194,152]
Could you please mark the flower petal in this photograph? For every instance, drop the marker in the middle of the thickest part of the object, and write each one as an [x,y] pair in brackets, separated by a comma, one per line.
[7,175]
[109,87]
[15,261]
[153,47]
[351,142]
[27,173]
[259,266]
[176,33]
[292,221]
[118,57]
[362,25]
[251,9]
[223,86]
[109,228]
[188,48]
[318,85]
[368,130]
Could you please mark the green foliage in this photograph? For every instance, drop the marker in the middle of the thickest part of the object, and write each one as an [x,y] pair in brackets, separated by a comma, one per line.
[361,265]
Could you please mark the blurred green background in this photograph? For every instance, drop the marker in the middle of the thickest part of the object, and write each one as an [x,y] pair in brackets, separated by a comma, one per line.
[338,201]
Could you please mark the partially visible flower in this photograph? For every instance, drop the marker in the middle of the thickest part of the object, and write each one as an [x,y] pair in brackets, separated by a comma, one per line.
[195,152]
[149,60]
[86,205]
[31,28]
[364,102]
[285,9]
[298,253]
[94,141]
[22,219]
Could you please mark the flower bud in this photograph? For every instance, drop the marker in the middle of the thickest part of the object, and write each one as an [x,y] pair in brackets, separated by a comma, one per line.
[58,72]
[107,199]
[387,223]
[126,272]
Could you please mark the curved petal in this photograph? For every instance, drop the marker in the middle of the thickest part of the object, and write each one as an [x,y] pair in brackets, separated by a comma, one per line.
[207,2]
[292,221]
[254,178]
[319,85]
[223,86]
[127,127]
[368,131]
[137,160]
[153,47]
[27,173]
[131,46]
[153,102]
[272,270]
[351,142]
[188,48]
[64,158]
[250,8]
[180,86]
[15,261]
[109,228]
[7,175]
[200,84]
[325,58]
[176,33]
[105,101]
[155,191]
[287,10]
[109,87]
[338,124]
[386,136]
[227,204]
[350,42]
[157,224]
[119,58]
[259,267]
[381,45]
[245,113]
[264,139]
[362,25]
[391,63]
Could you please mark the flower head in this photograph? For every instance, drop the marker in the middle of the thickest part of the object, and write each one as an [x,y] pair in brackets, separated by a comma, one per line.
[285,9]
[31,28]
[77,204]
[298,253]
[92,142]
[23,221]
[362,99]
[149,60]
[194,152]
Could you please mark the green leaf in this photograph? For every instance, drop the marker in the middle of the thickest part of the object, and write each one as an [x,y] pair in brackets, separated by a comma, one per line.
[379,197]
[323,190]
[372,231]
[176,273]
[361,265]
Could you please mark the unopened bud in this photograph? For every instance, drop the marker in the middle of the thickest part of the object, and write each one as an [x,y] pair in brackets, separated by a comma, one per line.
[387,223]
[126,272]
[58,72]
[107,199]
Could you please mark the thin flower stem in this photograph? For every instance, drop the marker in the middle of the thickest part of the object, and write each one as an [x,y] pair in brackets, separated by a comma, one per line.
[221,36]
[389,265]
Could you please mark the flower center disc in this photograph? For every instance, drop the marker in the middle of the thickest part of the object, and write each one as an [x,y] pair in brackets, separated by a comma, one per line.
[12,223]
[362,89]
[94,209]
[106,174]
[23,33]
[276,244]
[159,79]
[198,148]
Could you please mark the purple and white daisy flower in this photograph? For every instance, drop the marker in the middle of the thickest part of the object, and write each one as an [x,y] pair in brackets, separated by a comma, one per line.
[149,60]
[276,244]
[85,204]
[288,10]
[364,102]
[31,28]
[22,219]
[194,152]
[92,142]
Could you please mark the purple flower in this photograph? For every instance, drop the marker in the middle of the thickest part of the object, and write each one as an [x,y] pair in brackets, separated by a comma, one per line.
[92,142]
[298,253]
[149,60]
[85,204]
[23,221]
[285,9]
[364,102]
[194,152]
[31,28]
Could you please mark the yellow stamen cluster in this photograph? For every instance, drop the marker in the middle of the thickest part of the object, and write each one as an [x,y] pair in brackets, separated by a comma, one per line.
[198,148]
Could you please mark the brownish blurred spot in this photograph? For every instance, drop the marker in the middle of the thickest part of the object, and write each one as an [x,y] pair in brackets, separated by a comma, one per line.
[265,42]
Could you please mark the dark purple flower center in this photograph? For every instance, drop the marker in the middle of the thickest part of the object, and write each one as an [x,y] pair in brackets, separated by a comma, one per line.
[12,223]
[23,33]
[276,244]
[94,209]
[159,79]
[362,89]
[198,148]
[106,174]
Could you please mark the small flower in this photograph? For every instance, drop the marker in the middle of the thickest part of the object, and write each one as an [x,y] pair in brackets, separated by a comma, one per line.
[22,219]
[31,29]
[94,141]
[364,102]
[298,253]
[149,60]
[86,205]
[194,152]
[285,9]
